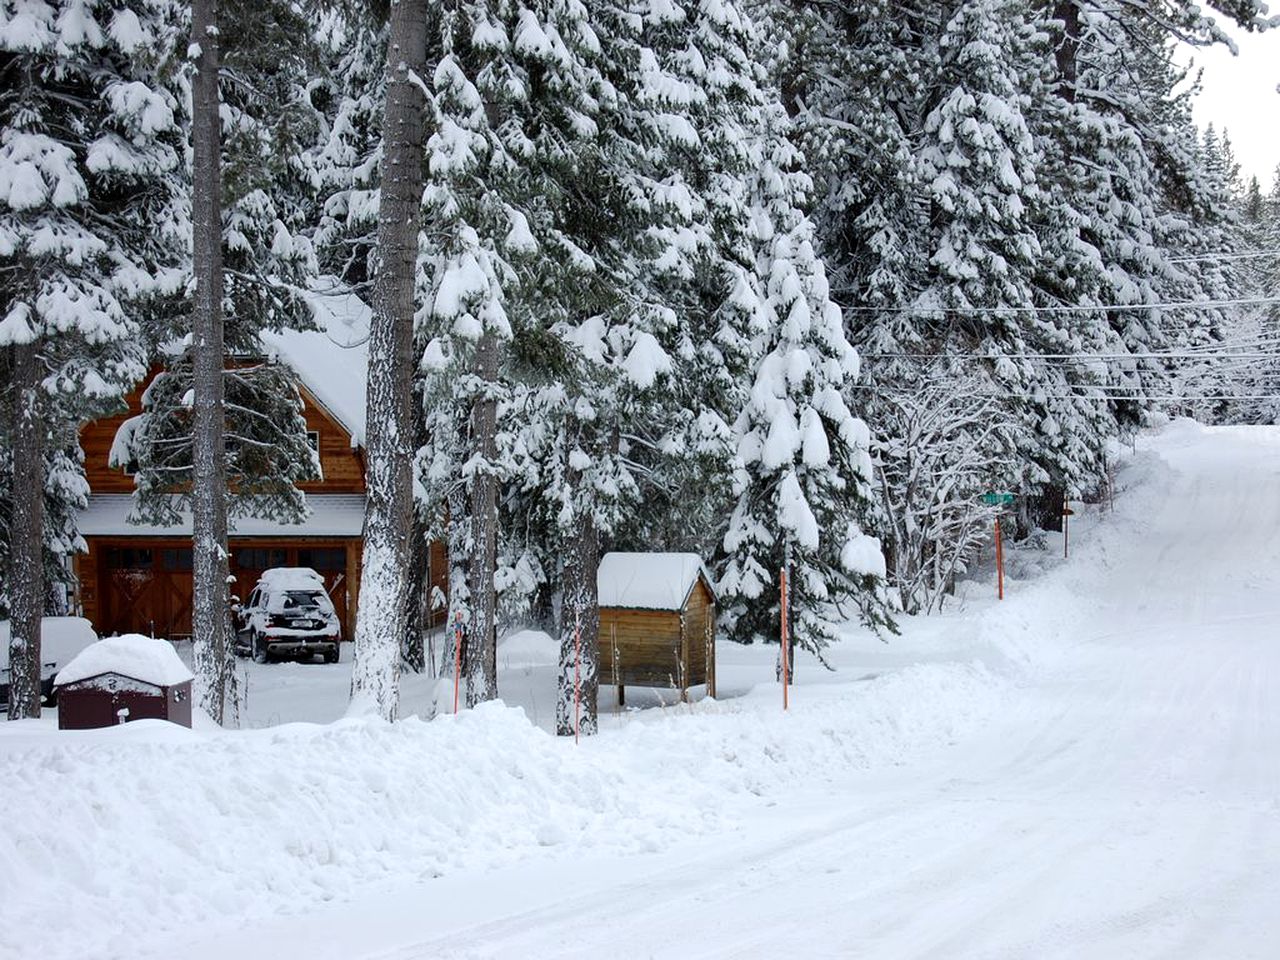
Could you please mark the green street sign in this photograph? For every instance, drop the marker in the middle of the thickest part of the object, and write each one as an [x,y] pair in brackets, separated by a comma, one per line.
[994,498]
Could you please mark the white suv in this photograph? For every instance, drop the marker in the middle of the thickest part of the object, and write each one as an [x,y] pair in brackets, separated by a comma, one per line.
[288,614]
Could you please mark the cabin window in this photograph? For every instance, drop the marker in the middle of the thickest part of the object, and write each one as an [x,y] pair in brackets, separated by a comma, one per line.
[259,558]
[323,558]
[129,558]
[178,558]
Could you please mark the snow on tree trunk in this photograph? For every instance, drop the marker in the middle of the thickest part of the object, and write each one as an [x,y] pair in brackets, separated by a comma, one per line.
[375,679]
[26,562]
[482,655]
[579,631]
[215,667]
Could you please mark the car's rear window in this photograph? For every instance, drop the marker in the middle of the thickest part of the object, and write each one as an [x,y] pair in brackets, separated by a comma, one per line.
[288,601]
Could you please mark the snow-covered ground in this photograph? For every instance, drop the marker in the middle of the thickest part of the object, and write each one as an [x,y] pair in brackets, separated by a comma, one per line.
[1089,769]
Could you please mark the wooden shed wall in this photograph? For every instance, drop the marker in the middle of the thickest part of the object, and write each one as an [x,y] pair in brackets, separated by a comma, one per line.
[700,626]
[651,649]
[647,644]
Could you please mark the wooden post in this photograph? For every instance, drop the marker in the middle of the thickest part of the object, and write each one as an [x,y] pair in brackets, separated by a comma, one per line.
[684,659]
[711,651]
[352,547]
[999,563]
[617,667]
[786,666]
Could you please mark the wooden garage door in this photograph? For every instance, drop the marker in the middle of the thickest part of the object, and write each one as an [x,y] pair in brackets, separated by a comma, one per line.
[146,589]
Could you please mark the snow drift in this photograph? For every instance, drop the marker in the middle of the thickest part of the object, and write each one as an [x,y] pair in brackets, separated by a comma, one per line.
[118,835]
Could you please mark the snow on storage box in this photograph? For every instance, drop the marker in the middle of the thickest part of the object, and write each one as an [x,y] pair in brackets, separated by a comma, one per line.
[657,621]
[121,679]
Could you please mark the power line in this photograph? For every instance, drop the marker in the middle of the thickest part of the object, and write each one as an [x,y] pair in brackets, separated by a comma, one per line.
[1155,355]
[1137,397]
[1209,257]
[1072,308]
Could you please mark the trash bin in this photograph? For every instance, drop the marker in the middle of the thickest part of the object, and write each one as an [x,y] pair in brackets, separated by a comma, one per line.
[121,679]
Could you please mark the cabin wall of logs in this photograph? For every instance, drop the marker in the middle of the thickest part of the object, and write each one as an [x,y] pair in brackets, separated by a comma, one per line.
[660,648]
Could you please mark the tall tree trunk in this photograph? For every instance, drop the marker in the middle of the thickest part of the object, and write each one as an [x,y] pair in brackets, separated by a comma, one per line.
[215,667]
[375,678]
[579,680]
[412,652]
[417,610]
[26,557]
[1067,47]
[482,652]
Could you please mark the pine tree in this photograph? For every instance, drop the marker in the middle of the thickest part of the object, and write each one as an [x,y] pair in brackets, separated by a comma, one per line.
[90,228]
[805,474]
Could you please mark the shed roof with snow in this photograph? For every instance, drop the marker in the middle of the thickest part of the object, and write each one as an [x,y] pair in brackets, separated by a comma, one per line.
[650,581]
[146,659]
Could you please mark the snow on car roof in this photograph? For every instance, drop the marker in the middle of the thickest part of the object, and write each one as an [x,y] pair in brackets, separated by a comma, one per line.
[143,658]
[648,581]
[292,578]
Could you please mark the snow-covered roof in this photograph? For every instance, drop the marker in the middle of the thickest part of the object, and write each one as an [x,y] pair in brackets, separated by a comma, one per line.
[132,655]
[332,362]
[649,581]
[332,515]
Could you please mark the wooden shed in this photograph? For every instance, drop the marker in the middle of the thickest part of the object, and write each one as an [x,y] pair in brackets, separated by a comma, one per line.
[657,622]
[121,679]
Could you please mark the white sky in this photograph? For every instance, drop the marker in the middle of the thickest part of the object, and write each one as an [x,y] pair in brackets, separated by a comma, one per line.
[1239,93]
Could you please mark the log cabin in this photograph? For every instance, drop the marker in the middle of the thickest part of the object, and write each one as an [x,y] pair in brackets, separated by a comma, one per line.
[138,579]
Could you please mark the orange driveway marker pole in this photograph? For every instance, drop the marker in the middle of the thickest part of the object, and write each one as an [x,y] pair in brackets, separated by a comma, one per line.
[999,563]
[457,657]
[786,659]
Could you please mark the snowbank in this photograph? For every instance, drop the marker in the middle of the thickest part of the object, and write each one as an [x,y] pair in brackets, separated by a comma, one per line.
[149,836]
[133,655]
[528,648]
